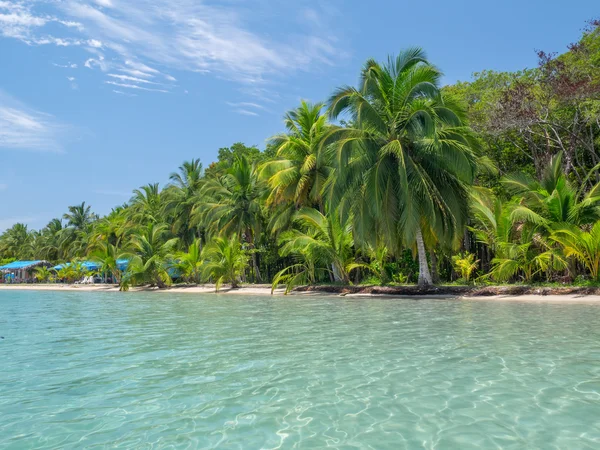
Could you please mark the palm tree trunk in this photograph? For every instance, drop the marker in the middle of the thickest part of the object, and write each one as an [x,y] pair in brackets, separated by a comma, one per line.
[424,274]
[337,277]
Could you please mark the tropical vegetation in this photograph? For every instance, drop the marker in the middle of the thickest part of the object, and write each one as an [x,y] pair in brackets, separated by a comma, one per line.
[398,179]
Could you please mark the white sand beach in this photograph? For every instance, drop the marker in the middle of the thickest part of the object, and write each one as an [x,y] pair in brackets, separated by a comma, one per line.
[266,290]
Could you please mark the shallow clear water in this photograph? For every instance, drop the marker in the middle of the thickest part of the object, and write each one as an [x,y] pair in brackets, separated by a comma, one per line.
[88,370]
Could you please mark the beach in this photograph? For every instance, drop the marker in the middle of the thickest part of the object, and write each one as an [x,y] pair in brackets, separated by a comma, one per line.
[266,290]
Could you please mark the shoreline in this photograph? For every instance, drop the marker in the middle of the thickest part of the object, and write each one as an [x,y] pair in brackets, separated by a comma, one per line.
[504,294]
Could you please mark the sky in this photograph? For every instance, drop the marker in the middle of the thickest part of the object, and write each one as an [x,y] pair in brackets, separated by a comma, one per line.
[100,97]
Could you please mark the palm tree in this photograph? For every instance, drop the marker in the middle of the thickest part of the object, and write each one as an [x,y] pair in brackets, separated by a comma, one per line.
[408,161]
[325,240]
[147,204]
[74,238]
[181,196]
[553,199]
[79,216]
[190,263]
[149,256]
[107,255]
[465,264]
[232,204]
[225,261]
[42,274]
[303,166]
[582,245]
[16,242]
[49,245]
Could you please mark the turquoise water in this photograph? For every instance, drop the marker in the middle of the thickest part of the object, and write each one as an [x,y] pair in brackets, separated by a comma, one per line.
[89,370]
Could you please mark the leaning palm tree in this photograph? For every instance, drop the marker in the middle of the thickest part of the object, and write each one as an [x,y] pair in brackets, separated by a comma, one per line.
[301,170]
[406,163]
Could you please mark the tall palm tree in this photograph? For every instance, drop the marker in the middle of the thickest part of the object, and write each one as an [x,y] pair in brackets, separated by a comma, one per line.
[181,196]
[407,162]
[303,166]
[16,242]
[147,204]
[74,238]
[49,245]
[232,203]
[79,216]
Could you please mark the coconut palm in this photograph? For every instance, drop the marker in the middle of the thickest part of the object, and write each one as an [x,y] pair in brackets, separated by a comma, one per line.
[49,241]
[149,256]
[16,242]
[42,274]
[79,216]
[582,245]
[322,239]
[232,204]
[299,174]
[190,263]
[407,162]
[553,199]
[181,196]
[225,261]
[147,204]
[107,255]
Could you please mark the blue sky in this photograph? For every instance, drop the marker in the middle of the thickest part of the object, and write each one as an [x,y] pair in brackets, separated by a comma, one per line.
[100,97]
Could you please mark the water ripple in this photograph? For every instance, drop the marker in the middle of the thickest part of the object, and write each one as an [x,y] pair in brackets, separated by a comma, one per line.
[95,370]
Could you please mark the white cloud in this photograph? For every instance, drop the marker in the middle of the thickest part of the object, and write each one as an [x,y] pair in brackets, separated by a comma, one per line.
[178,34]
[23,128]
[71,78]
[126,94]
[245,112]
[128,78]
[246,105]
[135,86]
[3,186]
[66,66]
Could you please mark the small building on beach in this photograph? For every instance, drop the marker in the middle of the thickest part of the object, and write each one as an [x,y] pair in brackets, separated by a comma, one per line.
[21,270]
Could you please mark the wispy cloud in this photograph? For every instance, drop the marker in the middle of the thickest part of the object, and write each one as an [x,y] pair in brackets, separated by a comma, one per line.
[135,86]
[245,112]
[126,94]
[66,66]
[23,128]
[138,38]
[3,186]
[247,108]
